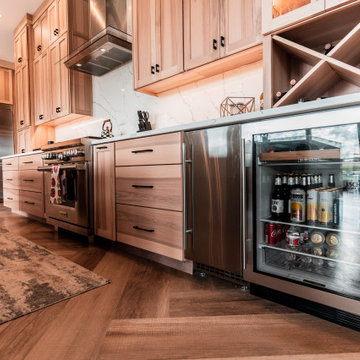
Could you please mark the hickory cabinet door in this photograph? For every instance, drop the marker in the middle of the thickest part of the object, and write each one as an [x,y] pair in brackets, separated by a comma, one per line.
[41,88]
[201,32]
[22,98]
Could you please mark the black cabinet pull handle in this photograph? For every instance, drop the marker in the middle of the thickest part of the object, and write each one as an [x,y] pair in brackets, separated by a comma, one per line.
[56,32]
[21,122]
[20,59]
[9,179]
[142,151]
[58,109]
[41,117]
[8,164]
[38,48]
[143,186]
[222,41]
[142,229]
[153,69]
[157,68]
[101,147]
[28,180]
[28,162]
[29,202]
[22,151]
[214,44]
[10,198]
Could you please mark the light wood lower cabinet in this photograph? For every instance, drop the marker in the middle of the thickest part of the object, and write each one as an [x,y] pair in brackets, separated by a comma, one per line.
[152,186]
[32,203]
[158,231]
[11,199]
[31,180]
[10,164]
[11,179]
[104,191]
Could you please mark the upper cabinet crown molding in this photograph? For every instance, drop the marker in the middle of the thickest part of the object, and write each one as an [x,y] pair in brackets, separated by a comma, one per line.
[215,36]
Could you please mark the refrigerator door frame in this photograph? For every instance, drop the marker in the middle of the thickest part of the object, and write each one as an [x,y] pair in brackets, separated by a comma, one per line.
[346,115]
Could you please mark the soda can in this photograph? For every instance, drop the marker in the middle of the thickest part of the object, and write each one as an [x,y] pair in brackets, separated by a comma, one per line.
[279,232]
[317,237]
[326,207]
[293,239]
[332,239]
[272,234]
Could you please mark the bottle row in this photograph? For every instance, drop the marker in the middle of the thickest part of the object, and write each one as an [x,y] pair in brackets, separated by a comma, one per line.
[315,242]
[302,199]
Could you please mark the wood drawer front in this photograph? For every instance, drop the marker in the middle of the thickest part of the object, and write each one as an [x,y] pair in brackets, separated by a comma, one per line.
[32,203]
[158,231]
[31,180]
[10,179]
[153,186]
[11,199]
[10,164]
[152,150]
[30,162]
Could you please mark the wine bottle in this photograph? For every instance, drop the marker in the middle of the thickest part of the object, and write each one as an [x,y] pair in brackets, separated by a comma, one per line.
[327,48]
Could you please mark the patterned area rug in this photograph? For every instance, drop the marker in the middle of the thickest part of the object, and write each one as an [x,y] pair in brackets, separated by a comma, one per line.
[32,277]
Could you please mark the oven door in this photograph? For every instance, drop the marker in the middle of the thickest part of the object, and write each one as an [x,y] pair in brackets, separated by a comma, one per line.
[74,204]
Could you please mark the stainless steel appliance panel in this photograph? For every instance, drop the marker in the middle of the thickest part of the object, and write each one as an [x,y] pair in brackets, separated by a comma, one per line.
[213,196]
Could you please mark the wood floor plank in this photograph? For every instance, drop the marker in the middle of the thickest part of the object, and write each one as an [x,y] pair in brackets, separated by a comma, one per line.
[226,336]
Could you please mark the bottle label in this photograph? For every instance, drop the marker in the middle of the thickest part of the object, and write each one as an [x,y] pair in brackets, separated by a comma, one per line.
[277,206]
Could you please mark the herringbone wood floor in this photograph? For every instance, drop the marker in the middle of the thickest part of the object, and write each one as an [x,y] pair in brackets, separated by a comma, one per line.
[154,312]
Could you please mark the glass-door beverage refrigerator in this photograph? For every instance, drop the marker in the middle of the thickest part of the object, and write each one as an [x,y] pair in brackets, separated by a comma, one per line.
[302,226]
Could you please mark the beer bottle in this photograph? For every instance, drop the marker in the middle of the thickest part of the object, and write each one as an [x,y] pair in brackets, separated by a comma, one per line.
[309,184]
[277,200]
[298,202]
[286,191]
[291,184]
[320,180]
[331,180]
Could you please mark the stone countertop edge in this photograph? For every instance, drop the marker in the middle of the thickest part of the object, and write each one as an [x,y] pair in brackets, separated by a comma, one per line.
[22,154]
[302,108]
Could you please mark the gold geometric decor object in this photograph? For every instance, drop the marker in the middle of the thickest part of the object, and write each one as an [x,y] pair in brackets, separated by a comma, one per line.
[237,105]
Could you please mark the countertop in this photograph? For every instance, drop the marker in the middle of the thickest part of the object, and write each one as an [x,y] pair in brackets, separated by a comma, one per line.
[22,154]
[306,107]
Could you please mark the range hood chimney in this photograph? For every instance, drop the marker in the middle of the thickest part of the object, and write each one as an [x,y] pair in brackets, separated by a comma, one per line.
[110,37]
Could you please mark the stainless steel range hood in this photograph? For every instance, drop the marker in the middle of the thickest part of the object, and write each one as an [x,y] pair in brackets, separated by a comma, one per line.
[110,37]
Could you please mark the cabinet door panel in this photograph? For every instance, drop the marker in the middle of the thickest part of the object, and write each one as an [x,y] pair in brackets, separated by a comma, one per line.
[170,43]
[45,36]
[37,38]
[144,13]
[62,16]
[238,25]
[64,77]
[104,191]
[41,89]
[22,98]
[6,86]
[55,80]
[23,142]
[53,22]
[201,32]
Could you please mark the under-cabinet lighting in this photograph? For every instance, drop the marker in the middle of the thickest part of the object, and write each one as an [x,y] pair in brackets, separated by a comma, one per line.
[102,50]
[79,65]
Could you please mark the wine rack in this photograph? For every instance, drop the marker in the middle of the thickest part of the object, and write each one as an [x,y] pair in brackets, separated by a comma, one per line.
[298,53]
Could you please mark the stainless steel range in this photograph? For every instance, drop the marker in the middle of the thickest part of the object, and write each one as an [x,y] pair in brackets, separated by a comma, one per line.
[71,160]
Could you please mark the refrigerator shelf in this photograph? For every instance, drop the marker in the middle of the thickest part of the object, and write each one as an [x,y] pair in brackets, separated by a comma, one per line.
[317,227]
[325,163]
[301,155]
[300,253]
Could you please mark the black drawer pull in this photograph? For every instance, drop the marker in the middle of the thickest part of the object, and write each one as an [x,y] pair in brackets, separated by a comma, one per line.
[9,179]
[38,48]
[29,202]
[214,44]
[143,186]
[10,198]
[28,162]
[153,70]
[22,151]
[101,148]
[29,180]
[8,164]
[142,151]
[157,68]
[142,229]
[222,41]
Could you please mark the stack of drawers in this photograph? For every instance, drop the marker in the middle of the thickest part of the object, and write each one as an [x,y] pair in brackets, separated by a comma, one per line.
[149,194]
[23,184]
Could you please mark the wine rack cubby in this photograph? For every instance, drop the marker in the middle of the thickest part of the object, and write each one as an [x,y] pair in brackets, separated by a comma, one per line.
[298,53]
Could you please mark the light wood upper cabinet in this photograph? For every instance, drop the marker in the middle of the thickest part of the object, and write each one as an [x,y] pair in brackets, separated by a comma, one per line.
[41,34]
[158,48]
[6,86]
[41,88]
[57,13]
[22,97]
[201,32]
[104,191]
[235,34]
[281,13]
[21,48]
[23,141]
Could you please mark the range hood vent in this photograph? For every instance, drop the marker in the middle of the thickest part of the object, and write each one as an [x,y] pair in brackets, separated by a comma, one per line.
[110,43]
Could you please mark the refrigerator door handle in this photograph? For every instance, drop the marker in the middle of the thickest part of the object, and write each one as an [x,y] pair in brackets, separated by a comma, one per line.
[243,200]
[186,163]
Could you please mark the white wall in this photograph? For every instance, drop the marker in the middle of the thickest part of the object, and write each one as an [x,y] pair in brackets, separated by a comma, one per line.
[115,99]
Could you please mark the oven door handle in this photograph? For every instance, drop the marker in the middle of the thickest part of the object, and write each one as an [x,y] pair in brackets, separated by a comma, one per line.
[71,167]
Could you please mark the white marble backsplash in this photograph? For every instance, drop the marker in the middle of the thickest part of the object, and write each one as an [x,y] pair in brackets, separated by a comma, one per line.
[115,99]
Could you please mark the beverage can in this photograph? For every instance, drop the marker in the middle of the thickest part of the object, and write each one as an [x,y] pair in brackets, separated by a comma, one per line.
[271,234]
[278,232]
[312,205]
[317,237]
[297,206]
[317,250]
[293,239]
[326,207]
[332,239]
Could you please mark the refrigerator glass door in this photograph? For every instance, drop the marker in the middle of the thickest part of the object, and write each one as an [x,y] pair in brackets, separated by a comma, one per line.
[309,234]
